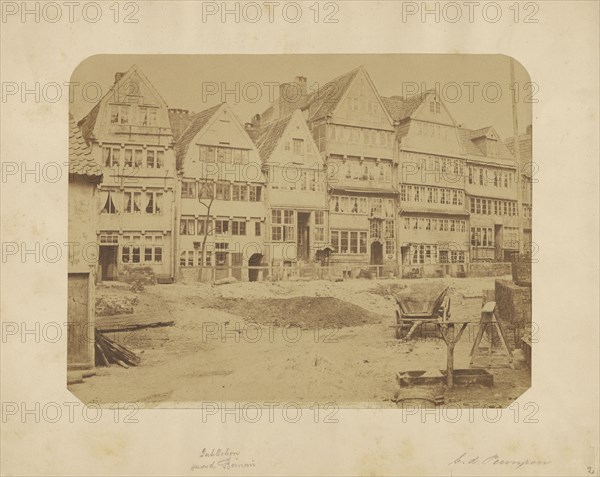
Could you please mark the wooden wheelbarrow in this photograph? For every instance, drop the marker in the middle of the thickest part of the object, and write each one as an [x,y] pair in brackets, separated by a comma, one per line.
[412,313]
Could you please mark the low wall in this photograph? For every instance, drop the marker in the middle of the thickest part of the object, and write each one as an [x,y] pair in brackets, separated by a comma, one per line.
[513,302]
[489,269]
[513,305]
[136,274]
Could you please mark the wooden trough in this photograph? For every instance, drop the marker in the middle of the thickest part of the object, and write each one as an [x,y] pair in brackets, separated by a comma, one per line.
[462,377]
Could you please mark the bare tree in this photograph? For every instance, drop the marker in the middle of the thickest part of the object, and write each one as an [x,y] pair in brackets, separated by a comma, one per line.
[206,197]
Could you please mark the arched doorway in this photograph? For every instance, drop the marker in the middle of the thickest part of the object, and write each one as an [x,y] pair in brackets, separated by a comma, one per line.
[254,261]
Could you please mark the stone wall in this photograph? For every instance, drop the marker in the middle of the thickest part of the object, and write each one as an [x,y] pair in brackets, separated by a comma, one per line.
[489,269]
[137,275]
[513,302]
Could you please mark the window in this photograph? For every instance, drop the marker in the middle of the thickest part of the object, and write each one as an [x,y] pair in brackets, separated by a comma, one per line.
[376,207]
[155,159]
[188,190]
[423,253]
[319,226]
[153,248]
[222,227]
[257,229]
[133,157]
[511,237]
[119,114]
[109,202]
[186,258]
[375,229]
[133,202]
[298,146]
[203,229]
[389,228]
[223,191]
[254,193]
[109,238]
[239,192]
[112,156]
[482,237]
[206,190]
[282,225]
[344,243]
[131,252]
[238,227]
[221,254]
[187,226]
[154,202]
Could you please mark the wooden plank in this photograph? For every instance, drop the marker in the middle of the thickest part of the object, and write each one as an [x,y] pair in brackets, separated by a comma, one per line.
[118,327]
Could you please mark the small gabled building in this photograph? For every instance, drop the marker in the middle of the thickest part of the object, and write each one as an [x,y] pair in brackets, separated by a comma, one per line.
[433,229]
[84,176]
[296,192]
[220,222]
[491,186]
[130,136]
[355,136]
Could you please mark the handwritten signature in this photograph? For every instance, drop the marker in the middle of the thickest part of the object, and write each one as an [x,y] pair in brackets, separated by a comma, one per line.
[495,459]
[226,459]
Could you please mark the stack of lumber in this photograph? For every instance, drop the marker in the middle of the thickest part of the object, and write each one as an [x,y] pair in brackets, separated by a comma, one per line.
[108,352]
[129,322]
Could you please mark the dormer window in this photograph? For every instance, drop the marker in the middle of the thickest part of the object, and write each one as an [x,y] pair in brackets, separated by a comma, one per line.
[434,106]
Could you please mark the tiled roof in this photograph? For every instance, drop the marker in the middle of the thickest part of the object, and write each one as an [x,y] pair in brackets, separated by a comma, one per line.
[81,161]
[480,132]
[268,137]
[400,108]
[87,124]
[466,139]
[197,122]
[468,135]
[524,147]
[325,99]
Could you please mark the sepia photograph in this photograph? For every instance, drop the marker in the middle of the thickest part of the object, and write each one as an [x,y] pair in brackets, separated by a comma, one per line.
[298,238]
[316,228]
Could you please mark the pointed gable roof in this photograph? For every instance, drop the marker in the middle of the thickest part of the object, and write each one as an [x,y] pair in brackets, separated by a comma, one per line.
[81,161]
[197,122]
[88,123]
[269,136]
[324,100]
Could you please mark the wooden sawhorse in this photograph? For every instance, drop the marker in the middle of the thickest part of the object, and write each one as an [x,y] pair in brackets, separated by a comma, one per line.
[489,322]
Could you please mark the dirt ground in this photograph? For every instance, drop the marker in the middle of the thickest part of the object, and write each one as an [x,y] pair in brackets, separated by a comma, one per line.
[303,342]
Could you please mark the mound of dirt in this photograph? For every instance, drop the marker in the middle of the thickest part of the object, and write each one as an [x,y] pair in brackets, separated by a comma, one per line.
[304,311]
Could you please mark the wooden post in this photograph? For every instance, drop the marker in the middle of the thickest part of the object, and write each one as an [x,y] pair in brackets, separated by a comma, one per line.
[450,358]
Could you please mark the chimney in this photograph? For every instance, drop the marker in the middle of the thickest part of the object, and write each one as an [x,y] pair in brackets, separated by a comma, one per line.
[301,82]
[180,120]
[292,95]
[118,76]
[253,127]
